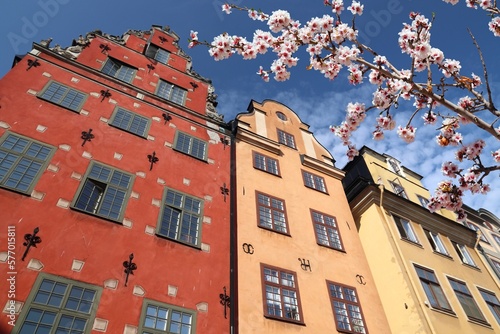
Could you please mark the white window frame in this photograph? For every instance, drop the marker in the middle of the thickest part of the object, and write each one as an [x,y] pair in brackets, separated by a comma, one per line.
[408,229]
[464,254]
[437,243]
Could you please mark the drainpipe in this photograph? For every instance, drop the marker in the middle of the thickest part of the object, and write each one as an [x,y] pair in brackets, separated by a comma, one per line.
[401,259]
[233,246]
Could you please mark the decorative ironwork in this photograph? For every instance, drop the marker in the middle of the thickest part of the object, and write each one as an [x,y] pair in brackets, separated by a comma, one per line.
[166,117]
[104,48]
[224,191]
[152,159]
[105,94]
[194,85]
[225,301]
[248,248]
[150,67]
[32,63]
[360,279]
[162,39]
[305,264]
[129,267]
[87,136]
[225,141]
[31,240]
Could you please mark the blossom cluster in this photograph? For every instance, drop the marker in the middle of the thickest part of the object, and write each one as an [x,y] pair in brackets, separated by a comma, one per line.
[448,134]
[448,195]
[356,113]
[332,46]
[383,123]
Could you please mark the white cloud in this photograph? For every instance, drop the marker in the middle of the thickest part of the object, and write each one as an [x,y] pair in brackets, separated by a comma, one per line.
[423,156]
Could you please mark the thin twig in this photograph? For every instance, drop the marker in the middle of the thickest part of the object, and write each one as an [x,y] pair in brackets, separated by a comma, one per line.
[485,71]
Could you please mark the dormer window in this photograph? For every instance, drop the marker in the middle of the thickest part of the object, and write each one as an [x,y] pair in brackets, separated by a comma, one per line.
[394,166]
[119,70]
[398,188]
[156,53]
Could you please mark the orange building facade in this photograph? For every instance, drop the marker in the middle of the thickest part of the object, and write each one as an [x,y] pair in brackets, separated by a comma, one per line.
[114,176]
[300,263]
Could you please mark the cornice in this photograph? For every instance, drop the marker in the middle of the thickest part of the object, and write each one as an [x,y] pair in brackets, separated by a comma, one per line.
[393,204]
[258,141]
[322,167]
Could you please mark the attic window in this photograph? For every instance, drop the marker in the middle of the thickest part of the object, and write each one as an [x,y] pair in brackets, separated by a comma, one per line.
[394,166]
[159,54]
[398,188]
[281,116]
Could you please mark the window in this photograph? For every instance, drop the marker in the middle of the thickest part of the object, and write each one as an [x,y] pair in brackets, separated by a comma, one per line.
[119,70]
[157,53]
[64,96]
[478,230]
[130,122]
[314,181]
[432,289]
[496,266]
[181,217]
[405,229]
[492,302]
[171,92]
[281,116]
[281,294]
[271,212]
[286,139]
[466,300]
[159,318]
[265,163]
[436,242]
[423,201]
[346,308]
[497,239]
[464,254]
[394,166]
[22,161]
[58,305]
[327,233]
[104,192]
[190,145]
[398,188]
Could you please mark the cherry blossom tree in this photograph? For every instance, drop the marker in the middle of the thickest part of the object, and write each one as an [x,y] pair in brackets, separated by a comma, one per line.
[333,46]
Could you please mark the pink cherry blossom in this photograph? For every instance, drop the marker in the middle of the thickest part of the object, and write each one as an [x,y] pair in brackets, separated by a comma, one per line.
[356,8]
[494,26]
[496,155]
[449,169]
[407,133]
[429,118]
[226,8]
[278,20]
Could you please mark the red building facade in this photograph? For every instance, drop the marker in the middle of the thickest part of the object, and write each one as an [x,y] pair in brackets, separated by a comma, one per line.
[113,155]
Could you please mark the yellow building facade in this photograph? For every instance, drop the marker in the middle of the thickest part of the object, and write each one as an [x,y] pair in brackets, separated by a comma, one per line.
[487,226]
[428,273]
[300,264]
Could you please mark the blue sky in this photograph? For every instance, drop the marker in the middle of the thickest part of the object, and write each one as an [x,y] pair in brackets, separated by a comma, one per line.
[318,101]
